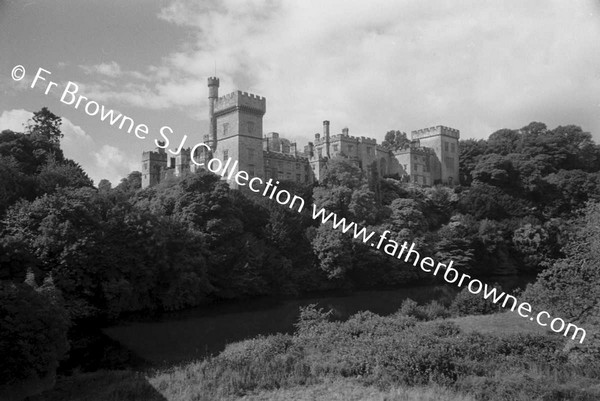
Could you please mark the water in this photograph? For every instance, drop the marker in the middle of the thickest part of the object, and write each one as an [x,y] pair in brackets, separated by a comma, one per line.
[192,334]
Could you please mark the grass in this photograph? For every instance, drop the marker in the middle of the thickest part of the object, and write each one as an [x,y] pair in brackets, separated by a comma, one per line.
[102,386]
[498,323]
[351,390]
[499,357]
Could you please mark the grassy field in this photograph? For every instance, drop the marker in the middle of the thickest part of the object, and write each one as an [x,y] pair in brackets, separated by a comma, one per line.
[499,357]
[351,390]
[498,323]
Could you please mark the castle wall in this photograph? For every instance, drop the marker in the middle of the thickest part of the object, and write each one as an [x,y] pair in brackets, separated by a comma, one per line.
[444,143]
[153,163]
[236,120]
[238,117]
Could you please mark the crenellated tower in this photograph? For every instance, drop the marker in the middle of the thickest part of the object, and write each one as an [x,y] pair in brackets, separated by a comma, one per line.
[238,120]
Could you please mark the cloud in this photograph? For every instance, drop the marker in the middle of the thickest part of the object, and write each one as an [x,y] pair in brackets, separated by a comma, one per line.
[14,120]
[111,69]
[114,163]
[380,65]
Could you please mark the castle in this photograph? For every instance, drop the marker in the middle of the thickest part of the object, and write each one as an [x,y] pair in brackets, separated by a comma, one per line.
[236,132]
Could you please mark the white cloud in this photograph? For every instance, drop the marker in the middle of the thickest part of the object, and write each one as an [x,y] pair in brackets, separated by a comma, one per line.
[14,120]
[113,163]
[379,65]
[111,69]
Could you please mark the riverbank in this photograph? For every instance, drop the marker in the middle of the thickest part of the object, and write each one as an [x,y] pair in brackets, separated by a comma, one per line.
[183,336]
[491,357]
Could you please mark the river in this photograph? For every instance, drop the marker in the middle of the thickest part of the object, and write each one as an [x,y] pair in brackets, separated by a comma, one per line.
[179,337]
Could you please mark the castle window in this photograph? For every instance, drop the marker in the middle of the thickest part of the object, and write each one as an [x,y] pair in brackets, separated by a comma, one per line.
[225,129]
[225,154]
[350,148]
[369,151]
[449,163]
[250,154]
[335,148]
[250,127]
[320,152]
[172,162]
[453,147]
[446,146]
[145,166]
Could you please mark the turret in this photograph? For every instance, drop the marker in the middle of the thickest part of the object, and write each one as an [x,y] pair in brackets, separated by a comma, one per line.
[213,94]
[326,135]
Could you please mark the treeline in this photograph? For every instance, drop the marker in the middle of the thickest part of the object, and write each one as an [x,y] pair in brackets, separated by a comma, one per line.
[106,252]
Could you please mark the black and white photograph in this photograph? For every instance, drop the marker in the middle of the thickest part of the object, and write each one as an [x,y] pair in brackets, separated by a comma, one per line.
[299,200]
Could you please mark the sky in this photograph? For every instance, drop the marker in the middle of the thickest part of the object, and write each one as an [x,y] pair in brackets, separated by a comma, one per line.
[371,66]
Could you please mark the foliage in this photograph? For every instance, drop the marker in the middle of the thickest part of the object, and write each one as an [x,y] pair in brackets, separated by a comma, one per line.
[33,327]
[467,303]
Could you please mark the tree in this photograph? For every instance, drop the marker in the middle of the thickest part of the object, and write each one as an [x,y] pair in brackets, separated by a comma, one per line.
[504,141]
[395,140]
[334,251]
[470,151]
[131,183]
[104,186]
[54,174]
[34,332]
[45,124]
[570,289]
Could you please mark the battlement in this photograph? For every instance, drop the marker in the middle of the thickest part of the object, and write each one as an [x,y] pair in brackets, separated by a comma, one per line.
[345,138]
[367,141]
[414,150]
[283,156]
[240,100]
[213,81]
[154,155]
[437,130]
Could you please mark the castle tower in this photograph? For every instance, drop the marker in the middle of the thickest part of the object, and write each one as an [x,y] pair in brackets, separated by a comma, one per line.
[238,120]
[153,165]
[444,143]
[213,95]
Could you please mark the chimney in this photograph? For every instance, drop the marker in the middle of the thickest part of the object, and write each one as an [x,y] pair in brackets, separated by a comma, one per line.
[294,149]
[326,134]
[317,136]
[311,149]
[345,131]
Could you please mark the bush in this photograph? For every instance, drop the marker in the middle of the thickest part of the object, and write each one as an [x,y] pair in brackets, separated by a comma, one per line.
[433,310]
[467,303]
[33,332]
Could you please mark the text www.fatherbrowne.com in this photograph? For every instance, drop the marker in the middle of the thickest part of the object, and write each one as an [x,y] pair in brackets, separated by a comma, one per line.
[450,274]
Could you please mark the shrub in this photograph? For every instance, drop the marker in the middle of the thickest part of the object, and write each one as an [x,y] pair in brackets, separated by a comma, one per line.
[310,317]
[33,332]
[431,311]
[467,303]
